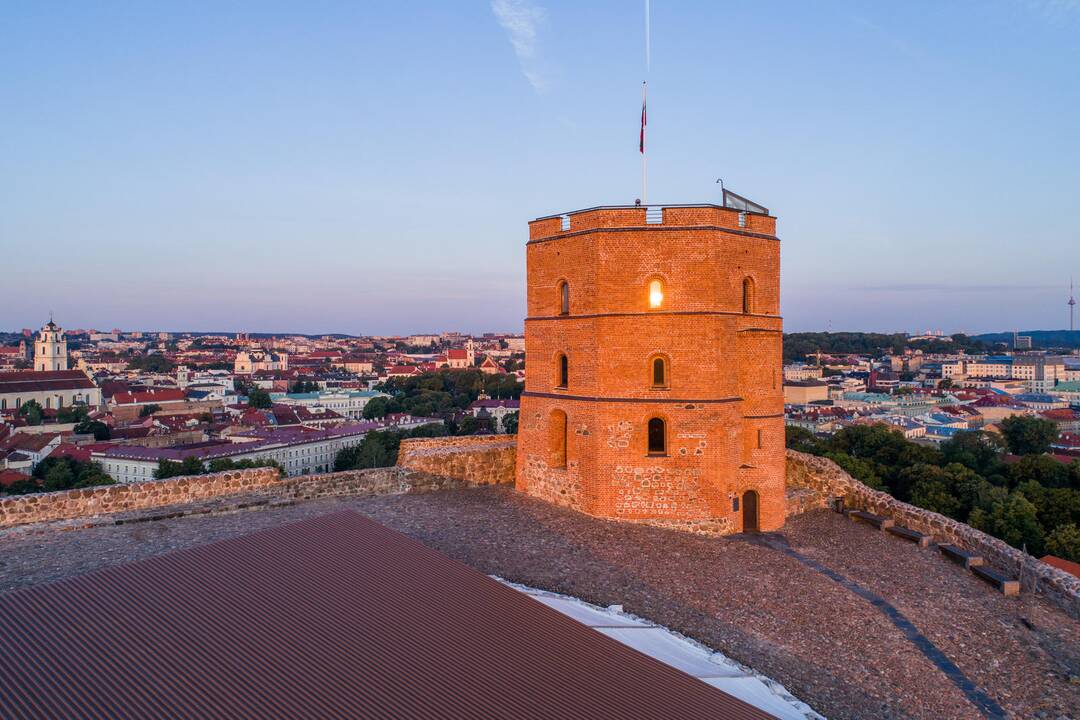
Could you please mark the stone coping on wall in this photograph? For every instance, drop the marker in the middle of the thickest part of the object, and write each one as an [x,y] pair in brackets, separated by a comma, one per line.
[825,476]
[218,492]
[411,447]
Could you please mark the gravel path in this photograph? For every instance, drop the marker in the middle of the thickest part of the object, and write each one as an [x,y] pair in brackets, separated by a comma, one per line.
[754,602]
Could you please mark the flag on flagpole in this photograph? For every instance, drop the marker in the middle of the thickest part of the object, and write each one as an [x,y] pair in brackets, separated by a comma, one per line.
[641,143]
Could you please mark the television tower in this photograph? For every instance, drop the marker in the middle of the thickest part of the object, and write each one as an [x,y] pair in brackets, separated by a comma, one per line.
[1072,306]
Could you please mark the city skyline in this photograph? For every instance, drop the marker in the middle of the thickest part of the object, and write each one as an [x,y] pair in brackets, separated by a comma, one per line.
[291,171]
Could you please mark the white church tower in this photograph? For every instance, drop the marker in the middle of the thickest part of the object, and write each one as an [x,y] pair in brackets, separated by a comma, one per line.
[50,349]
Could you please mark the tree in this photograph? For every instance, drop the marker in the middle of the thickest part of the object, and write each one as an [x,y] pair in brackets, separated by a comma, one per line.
[510,423]
[375,408]
[1064,542]
[98,429]
[148,410]
[59,477]
[155,363]
[22,364]
[980,451]
[471,425]
[1014,520]
[72,414]
[1043,469]
[1028,435]
[380,448]
[936,496]
[946,384]
[259,398]
[801,439]
[65,473]
[32,411]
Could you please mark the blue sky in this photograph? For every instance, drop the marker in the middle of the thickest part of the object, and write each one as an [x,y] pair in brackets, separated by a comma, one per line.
[371,167]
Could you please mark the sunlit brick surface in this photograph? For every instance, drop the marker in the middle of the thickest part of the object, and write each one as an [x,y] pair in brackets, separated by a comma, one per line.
[722,403]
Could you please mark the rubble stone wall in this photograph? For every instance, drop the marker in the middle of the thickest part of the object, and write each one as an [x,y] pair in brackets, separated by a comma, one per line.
[477,460]
[123,498]
[826,477]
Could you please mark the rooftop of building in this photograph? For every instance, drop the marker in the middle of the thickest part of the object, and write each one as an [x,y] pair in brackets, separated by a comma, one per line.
[814,606]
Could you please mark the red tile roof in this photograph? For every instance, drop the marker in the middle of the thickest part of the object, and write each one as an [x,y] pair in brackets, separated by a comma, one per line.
[44,381]
[158,395]
[1061,564]
[9,477]
[395,630]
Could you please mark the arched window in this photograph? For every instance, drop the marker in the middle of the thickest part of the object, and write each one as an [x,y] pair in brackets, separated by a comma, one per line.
[557,438]
[747,295]
[656,293]
[562,370]
[658,372]
[564,297]
[657,437]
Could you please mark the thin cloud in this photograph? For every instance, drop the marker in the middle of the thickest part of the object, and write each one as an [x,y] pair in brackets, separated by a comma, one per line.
[522,20]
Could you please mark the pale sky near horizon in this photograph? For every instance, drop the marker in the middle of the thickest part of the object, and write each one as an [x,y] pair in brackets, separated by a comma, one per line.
[370,168]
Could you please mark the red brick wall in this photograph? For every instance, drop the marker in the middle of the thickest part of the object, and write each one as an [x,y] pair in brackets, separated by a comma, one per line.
[724,383]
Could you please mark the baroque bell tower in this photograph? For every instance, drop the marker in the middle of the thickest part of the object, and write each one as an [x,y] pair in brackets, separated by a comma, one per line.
[50,349]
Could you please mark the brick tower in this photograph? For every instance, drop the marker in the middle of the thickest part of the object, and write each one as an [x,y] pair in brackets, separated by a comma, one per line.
[653,365]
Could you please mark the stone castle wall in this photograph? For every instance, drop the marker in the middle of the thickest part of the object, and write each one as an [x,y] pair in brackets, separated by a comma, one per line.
[265,483]
[826,477]
[478,460]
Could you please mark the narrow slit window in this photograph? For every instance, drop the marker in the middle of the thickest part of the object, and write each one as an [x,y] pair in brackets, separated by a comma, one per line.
[562,371]
[564,298]
[657,437]
[659,373]
[747,296]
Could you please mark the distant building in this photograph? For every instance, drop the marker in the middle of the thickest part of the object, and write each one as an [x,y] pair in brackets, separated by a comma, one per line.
[347,403]
[51,389]
[252,361]
[804,392]
[801,371]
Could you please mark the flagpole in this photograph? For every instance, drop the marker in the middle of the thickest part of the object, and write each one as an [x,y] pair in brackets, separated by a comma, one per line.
[644,157]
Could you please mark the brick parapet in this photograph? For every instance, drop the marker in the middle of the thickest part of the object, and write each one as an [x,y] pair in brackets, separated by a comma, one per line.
[826,477]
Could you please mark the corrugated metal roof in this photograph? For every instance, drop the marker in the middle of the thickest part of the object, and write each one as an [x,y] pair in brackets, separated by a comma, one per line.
[336,616]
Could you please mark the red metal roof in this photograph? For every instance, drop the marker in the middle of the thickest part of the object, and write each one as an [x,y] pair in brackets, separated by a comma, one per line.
[335,616]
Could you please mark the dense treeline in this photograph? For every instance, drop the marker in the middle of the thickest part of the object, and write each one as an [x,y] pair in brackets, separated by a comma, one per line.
[380,448]
[438,394]
[60,473]
[195,466]
[1031,502]
[798,345]
[1039,338]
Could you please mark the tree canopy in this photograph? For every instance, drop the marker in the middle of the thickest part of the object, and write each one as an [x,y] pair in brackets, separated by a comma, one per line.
[1025,502]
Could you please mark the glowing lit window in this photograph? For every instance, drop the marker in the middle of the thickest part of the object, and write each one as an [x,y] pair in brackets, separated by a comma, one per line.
[656,294]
